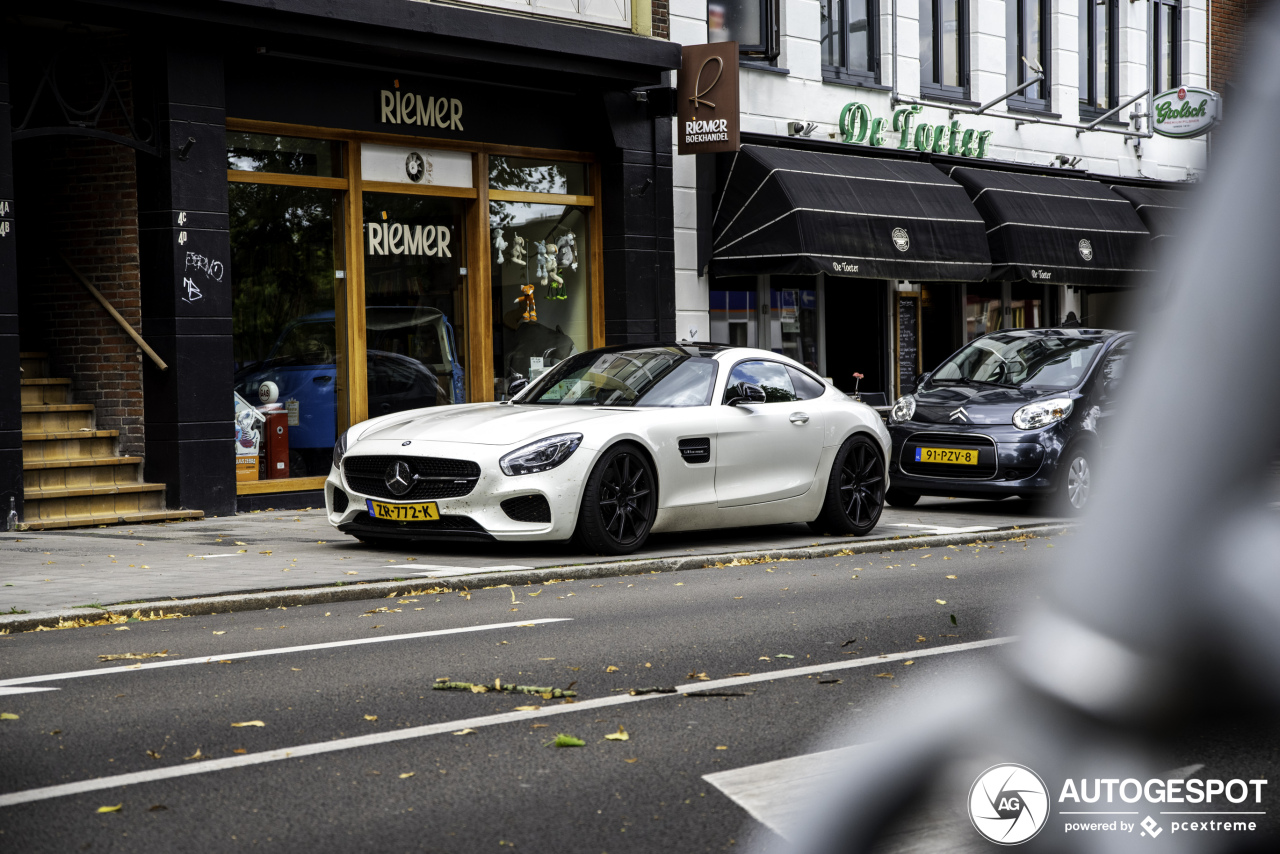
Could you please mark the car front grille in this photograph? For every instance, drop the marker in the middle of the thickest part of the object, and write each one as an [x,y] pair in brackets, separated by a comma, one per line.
[528,508]
[438,478]
[984,470]
[446,527]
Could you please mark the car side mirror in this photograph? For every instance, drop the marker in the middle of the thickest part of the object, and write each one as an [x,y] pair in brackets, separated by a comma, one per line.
[921,379]
[516,386]
[745,393]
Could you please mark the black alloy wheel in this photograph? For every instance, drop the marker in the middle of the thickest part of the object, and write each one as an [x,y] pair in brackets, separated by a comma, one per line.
[855,491]
[619,503]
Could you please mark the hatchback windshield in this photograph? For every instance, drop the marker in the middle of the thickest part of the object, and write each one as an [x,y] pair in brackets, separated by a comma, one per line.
[1042,361]
[645,376]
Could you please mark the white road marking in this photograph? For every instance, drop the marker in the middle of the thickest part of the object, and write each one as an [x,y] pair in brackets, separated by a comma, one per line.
[435,571]
[780,795]
[8,692]
[232,656]
[940,529]
[187,770]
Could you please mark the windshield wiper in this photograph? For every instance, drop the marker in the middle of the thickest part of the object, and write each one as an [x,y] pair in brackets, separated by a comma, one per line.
[969,381]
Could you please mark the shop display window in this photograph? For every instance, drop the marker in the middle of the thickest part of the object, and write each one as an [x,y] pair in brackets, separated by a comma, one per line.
[259,152]
[1026,306]
[414,293]
[528,175]
[794,313]
[733,318]
[541,291]
[286,243]
[983,311]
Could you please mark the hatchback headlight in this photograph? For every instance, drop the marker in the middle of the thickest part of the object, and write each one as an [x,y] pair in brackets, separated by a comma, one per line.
[340,449]
[542,455]
[1042,413]
[903,408]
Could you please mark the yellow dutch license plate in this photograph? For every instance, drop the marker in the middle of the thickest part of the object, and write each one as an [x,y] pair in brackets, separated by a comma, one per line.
[956,456]
[427,512]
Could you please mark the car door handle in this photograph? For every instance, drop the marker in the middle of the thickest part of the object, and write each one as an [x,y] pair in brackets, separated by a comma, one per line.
[799,418]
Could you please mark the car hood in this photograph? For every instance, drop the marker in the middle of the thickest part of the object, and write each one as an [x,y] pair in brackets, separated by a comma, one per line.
[981,404]
[483,423]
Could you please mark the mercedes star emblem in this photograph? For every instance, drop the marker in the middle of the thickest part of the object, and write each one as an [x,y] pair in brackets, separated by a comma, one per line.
[955,413]
[398,477]
[406,443]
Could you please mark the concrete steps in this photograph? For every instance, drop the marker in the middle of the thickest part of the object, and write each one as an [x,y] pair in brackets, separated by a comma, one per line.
[72,476]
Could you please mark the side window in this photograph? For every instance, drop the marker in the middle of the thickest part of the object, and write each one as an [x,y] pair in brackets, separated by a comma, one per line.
[770,376]
[1113,369]
[807,388]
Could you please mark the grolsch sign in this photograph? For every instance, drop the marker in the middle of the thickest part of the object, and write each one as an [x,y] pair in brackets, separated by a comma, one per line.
[1185,112]
[707,99]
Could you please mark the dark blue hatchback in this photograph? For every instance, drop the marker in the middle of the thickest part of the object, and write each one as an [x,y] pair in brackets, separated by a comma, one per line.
[1017,412]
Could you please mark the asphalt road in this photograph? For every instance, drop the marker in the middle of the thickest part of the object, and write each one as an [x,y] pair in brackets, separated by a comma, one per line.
[501,785]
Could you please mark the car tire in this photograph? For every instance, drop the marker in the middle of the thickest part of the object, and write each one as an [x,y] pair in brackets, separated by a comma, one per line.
[855,490]
[1075,482]
[619,502]
[899,498]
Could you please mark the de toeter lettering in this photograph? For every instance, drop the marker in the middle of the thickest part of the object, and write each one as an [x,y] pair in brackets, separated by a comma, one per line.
[406,108]
[857,126]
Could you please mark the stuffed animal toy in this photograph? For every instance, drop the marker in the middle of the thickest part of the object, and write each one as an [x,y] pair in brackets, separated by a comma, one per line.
[568,251]
[499,244]
[517,250]
[541,271]
[526,297]
[556,291]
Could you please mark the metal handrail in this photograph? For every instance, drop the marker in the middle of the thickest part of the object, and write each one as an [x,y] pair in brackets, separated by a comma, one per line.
[124,324]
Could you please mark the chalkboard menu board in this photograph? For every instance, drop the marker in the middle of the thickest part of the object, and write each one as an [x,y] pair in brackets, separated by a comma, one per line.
[907,341]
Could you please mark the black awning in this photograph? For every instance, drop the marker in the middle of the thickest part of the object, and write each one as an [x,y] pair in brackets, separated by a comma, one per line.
[1157,207]
[1046,228]
[803,212]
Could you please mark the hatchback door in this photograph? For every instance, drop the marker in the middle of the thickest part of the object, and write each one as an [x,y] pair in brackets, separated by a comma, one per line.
[767,451]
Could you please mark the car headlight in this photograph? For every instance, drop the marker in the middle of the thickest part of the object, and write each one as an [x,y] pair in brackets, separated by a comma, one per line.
[340,449]
[903,408]
[1042,413]
[541,455]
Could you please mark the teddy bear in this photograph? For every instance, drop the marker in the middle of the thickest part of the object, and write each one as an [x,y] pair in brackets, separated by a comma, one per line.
[526,297]
[499,244]
[556,291]
[541,270]
[568,251]
[517,250]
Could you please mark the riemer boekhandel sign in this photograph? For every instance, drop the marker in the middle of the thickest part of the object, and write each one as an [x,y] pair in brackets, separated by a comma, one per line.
[707,99]
[1010,804]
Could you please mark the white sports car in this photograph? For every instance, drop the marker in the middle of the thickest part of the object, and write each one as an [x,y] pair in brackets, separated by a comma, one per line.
[614,444]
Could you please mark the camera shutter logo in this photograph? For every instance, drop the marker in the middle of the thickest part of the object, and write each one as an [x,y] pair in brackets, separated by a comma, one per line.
[1008,804]
[900,240]
[1086,250]
[414,167]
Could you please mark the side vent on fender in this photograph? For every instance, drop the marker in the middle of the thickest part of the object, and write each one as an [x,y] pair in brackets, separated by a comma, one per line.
[695,450]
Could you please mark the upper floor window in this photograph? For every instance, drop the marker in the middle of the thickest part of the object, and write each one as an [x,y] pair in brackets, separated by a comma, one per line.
[1027,23]
[1099,21]
[753,24]
[1166,72]
[944,48]
[848,34]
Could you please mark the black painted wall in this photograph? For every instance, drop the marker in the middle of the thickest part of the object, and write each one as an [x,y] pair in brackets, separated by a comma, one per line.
[10,368]
[182,214]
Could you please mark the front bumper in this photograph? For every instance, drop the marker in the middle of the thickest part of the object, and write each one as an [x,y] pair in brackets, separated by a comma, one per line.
[1025,463]
[478,515]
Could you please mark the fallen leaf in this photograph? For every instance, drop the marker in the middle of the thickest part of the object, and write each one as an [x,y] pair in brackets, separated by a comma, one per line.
[722,747]
[351,572]
[679,584]
[196,755]
[763,658]
[250,723]
[219,633]
[406,775]
[884,675]
[133,655]
[8,716]
[467,731]
[527,708]
[950,576]
[829,681]
[479,689]
[739,674]
[611,669]
[563,740]
[370,717]
[702,676]
[941,601]
[783,655]
[631,760]
[122,628]
[911,661]
[240,750]
[298,669]
[620,735]
[238,543]
[539,726]
[115,808]
[157,808]
[953,620]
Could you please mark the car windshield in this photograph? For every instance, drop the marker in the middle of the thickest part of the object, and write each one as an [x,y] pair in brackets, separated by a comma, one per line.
[645,376]
[1040,361]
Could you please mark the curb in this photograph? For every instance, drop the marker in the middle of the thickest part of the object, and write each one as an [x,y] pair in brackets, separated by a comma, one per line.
[256,600]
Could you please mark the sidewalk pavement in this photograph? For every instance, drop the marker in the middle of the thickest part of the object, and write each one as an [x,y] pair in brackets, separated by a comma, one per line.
[52,575]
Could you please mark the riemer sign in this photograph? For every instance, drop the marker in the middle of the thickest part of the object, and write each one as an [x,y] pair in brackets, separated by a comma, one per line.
[707,118]
[1185,112]
[858,126]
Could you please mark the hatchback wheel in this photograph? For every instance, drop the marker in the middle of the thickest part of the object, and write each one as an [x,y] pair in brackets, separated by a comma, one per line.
[1076,484]
[855,490]
[619,503]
